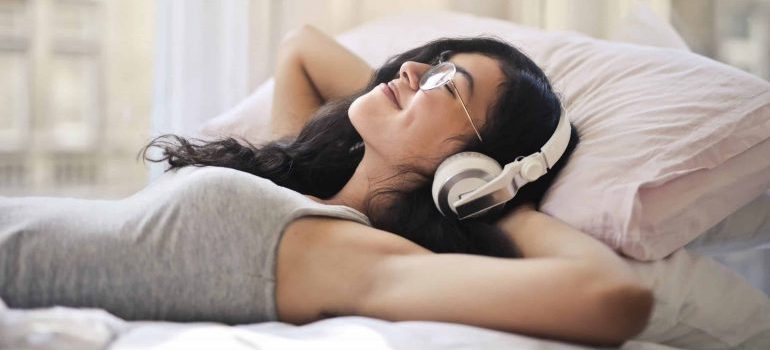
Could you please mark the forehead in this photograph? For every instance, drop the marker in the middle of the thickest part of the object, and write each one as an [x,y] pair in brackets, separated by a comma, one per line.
[487,77]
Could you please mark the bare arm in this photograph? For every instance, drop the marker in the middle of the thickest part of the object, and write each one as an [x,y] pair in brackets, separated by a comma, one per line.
[539,235]
[312,69]
[569,286]
[553,298]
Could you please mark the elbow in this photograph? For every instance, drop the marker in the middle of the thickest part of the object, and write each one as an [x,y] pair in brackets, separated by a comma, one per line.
[626,309]
[297,37]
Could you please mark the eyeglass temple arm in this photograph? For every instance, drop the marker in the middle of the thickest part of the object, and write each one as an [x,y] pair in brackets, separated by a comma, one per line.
[462,103]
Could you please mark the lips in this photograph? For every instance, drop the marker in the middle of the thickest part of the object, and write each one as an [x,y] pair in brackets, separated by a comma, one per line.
[386,89]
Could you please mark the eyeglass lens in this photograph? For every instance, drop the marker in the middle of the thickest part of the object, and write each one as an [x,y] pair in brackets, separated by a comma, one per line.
[437,76]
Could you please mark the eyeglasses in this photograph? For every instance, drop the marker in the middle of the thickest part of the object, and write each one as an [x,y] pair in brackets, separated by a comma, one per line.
[440,75]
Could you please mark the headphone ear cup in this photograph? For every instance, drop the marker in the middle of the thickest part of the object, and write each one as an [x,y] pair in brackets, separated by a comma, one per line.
[459,174]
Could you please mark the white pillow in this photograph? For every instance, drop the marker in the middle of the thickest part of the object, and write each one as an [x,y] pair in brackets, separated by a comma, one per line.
[652,122]
[700,304]
[643,27]
[249,119]
[747,228]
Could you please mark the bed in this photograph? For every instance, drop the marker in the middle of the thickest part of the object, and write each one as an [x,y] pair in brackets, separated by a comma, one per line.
[700,303]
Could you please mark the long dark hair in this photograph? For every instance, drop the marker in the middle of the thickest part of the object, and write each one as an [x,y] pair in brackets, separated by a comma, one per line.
[321,159]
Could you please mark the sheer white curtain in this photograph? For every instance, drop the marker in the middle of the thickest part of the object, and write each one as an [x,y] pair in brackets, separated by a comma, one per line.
[211,53]
[198,58]
[204,61]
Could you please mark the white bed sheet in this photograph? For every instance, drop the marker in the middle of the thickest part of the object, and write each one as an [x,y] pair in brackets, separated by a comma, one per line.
[63,328]
[341,333]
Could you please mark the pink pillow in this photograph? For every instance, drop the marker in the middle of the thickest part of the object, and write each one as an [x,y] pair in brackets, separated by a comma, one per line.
[741,229]
[671,142]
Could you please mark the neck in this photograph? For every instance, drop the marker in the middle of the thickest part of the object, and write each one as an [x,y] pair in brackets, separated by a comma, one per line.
[365,180]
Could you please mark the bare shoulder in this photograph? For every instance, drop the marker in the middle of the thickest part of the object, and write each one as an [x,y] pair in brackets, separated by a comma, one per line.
[328,232]
[324,266]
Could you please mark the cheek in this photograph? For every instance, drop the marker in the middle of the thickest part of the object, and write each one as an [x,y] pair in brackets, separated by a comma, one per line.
[377,124]
[418,131]
[430,124]
[422,136]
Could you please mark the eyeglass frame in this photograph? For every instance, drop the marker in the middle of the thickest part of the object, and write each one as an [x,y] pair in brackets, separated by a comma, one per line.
[450,81]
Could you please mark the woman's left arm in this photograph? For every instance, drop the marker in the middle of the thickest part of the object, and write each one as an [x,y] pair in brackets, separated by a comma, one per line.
[537,234]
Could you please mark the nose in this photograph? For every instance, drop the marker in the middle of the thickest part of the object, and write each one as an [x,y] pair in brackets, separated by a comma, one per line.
[410,72]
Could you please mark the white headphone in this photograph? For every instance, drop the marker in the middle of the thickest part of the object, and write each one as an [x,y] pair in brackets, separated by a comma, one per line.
[469,184]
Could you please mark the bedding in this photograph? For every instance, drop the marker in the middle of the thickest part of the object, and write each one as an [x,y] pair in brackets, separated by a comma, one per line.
[642,26]
[700,304]
[82,329]
[652,121]
[742,240]
[747,228]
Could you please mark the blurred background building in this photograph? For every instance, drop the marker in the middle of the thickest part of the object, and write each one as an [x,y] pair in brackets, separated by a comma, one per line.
[75,95]
[84,84]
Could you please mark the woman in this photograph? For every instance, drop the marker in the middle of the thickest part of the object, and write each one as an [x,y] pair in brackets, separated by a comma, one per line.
[359,233]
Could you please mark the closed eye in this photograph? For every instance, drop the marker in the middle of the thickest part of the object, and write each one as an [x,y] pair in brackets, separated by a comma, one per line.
[451,92]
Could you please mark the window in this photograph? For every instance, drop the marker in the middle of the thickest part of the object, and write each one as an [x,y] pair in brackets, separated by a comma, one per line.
[75,91]
[736,32]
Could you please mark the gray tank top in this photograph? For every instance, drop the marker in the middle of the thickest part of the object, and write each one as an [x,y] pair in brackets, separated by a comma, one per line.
[198,244]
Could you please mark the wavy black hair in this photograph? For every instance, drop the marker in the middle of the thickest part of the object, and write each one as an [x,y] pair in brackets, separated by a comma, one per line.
[321,159]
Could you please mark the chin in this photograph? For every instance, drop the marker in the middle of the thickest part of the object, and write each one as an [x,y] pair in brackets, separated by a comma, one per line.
[354,114]
[365,114]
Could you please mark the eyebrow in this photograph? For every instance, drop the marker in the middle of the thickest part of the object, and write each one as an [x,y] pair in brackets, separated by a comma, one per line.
[468,77]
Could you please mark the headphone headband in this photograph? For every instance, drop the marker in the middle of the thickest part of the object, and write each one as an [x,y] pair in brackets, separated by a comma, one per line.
[555,147]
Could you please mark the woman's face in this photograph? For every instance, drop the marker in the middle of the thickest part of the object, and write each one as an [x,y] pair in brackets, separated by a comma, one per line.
[420,127]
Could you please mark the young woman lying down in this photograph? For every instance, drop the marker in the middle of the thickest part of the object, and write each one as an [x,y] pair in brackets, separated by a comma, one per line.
[408,192]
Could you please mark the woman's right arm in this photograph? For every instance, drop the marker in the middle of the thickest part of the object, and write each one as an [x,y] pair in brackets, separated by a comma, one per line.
[312,69]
